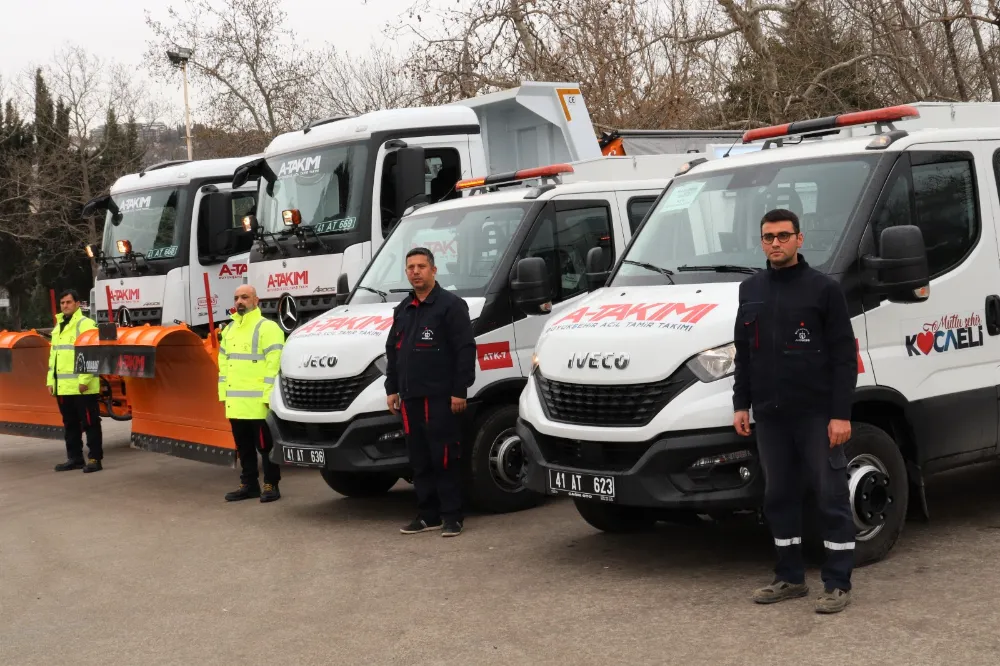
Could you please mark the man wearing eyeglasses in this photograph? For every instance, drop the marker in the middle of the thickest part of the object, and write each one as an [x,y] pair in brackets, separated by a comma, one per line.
[796,366]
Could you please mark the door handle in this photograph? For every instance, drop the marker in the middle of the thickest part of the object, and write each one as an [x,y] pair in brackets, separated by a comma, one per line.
[993,314]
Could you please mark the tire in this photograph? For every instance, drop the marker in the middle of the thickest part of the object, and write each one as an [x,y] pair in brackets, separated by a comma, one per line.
[868,441]
[489,484]
[359,484]
[615,519]
[868,444]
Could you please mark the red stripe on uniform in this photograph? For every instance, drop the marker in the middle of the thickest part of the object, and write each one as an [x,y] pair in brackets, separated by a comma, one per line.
[406,421]
[87,412]
[427,411]
[446,456]
[262,445]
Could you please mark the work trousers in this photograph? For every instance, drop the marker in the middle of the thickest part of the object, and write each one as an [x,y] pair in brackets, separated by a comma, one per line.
[796,455]
[81,414]
[253,436]
[432,441]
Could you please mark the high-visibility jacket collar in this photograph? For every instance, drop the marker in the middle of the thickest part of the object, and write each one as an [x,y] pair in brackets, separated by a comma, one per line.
[248,319]
[77,316]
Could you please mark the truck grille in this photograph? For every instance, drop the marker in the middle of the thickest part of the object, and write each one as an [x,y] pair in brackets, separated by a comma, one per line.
[610,405]
[604,456]
[326,395]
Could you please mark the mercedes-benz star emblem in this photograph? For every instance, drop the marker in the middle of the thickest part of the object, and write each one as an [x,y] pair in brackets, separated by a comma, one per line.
[123,317]
[288,314]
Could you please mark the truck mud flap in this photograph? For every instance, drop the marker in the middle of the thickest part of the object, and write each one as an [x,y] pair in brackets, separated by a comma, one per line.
[171,379]
[26,408]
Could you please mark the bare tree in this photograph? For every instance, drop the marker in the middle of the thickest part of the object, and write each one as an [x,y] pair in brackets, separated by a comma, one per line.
[252,71]
[352,85]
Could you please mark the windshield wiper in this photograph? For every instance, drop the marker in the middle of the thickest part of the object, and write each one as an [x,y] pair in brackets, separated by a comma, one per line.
[721,268]
[374,291]
[651,267]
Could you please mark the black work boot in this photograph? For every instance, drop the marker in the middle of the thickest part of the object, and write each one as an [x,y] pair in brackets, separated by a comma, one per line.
[243,492]
[92,466]
[270,493]
[69,465]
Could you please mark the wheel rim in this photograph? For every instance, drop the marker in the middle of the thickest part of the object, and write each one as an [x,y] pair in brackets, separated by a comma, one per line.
[506,461]
[872,495]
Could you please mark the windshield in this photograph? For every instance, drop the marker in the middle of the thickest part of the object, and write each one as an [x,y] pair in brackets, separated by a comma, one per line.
[149,222]
[326,185]
[467,244]
[714,219]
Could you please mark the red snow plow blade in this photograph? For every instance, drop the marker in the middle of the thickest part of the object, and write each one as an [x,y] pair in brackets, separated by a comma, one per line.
[171,378]
[26,408]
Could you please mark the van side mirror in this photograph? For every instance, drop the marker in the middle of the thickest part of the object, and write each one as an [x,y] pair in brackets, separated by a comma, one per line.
[597,268]
[411,186]
[343,289]
[901,270]
[532,292]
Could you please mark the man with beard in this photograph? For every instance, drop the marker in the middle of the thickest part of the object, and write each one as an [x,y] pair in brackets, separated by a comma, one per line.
[249,360]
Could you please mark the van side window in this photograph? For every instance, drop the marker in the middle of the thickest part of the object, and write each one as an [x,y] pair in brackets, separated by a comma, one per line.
[938,194]
[944,195]
[637,209]
[564,237]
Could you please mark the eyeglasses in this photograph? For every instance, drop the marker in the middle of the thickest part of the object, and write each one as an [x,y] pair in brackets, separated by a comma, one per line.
[783,237]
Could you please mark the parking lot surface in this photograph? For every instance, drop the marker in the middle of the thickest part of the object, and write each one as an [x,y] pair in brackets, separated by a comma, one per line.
[144,563]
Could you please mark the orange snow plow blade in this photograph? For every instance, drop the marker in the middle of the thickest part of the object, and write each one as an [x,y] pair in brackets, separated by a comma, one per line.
[171,378]
[26,408]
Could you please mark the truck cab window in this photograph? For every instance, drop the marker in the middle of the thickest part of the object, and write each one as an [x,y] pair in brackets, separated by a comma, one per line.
[939,196]
[563,239]
[442,169]
[637,209]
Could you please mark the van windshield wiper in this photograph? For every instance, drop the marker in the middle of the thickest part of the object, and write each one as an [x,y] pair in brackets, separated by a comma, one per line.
[651,267]
[721,268]
[382,294]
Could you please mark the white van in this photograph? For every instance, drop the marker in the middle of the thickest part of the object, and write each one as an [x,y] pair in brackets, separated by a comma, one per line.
[328,410]
[629,407]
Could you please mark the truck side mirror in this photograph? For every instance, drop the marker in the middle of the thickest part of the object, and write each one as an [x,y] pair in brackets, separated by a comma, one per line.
[597,268]
[221,237]
[532,292]
[343,289]
[411,186]
[901,269]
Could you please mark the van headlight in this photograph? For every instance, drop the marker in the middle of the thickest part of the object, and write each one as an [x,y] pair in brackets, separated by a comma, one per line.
[714,364]
[381,363]
[534,364]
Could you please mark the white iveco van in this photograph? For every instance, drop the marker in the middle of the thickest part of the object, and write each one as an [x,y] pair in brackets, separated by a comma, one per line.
[629,410]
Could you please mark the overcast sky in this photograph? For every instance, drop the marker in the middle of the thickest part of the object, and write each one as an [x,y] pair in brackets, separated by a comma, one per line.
[116,29]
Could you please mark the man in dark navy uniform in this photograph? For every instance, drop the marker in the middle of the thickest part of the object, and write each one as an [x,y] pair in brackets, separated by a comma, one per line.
[431,363]
[796,365]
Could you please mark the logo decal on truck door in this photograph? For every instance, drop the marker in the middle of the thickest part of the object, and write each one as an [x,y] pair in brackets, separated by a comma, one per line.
[951,332]
[494,356]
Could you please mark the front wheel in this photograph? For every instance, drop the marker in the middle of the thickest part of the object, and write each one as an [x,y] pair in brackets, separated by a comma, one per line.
[359,484]
[613,518]
[494,462]
[879,491]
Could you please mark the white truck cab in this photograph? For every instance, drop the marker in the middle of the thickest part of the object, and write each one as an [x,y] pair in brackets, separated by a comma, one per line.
[629,410]
[167,227]
[328,408]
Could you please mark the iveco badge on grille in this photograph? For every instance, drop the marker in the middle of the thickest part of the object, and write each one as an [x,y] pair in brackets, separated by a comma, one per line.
[599,360]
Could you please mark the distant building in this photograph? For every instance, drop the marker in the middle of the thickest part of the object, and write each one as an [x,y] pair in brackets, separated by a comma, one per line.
[148,133]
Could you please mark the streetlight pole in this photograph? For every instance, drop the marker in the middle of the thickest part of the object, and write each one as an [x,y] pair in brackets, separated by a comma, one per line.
[187,111]
[180,58]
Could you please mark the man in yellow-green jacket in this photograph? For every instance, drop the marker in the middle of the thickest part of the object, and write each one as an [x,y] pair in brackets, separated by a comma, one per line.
[249,360]
[76,393]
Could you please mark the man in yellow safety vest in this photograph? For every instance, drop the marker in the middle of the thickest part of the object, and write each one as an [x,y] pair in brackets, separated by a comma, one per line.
[76,393]
[249,360]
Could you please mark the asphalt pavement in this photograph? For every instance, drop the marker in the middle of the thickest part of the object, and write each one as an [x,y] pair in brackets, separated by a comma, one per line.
[144,563]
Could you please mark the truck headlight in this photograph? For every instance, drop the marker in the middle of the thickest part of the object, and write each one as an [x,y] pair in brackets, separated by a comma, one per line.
[714,364]
[381,363]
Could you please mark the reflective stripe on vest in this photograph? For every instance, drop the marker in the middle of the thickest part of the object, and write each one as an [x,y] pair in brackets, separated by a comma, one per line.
[64,347]
[268,380]
[244,394]
[254,346]
[59,376]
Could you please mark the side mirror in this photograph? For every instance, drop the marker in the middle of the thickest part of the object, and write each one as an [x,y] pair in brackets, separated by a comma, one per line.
[901,270]
[99,204]
[597,268]
[343,289]
[221,236]
[532,292]
[411,187]
[241,175]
